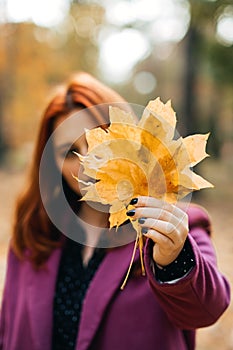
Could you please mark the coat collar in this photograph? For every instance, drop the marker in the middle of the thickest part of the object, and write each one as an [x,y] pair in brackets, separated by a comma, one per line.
[41,287]
[105,283]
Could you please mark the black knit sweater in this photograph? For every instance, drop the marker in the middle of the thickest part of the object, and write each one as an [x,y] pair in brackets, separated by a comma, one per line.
[72,283]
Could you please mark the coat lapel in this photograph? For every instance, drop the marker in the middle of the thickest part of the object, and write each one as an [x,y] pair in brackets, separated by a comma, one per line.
[106,281]
[40,294]
[41,286]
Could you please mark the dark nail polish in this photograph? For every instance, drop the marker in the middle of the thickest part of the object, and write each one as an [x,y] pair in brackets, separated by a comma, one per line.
[141,220]
[130,212]
[134,201]
[144,230]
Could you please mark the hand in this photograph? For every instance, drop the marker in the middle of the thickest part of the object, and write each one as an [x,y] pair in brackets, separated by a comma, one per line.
[165,224]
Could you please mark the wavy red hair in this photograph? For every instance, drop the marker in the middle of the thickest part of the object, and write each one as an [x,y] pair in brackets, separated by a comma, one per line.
[33,232]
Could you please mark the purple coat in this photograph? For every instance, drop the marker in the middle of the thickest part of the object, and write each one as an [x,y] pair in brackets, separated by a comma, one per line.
[145,315]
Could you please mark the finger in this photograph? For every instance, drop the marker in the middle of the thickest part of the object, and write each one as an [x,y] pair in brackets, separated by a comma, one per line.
[144,201]
[160,239]
[150,217]
[142,214]
[165,228]
[156,213]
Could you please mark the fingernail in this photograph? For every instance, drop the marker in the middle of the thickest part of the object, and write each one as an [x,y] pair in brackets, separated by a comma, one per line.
[130,212]
[144,230]
[134,201]
[141,220]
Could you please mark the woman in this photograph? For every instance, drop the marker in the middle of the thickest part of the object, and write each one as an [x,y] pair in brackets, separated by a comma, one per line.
[62,294]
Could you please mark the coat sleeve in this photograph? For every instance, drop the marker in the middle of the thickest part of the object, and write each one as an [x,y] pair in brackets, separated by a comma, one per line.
[200,298]
[10,286]
[2,310]
[1,325]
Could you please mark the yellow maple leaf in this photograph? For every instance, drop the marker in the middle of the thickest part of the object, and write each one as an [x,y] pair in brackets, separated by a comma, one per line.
[131,159]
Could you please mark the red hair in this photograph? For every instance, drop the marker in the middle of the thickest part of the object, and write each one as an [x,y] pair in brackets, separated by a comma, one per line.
[33,231]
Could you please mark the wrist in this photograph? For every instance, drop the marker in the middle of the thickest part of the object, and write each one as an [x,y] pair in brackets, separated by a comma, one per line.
[178,268]
[167,260]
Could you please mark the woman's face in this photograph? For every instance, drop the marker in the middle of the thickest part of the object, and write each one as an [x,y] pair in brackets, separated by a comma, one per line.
[70,137]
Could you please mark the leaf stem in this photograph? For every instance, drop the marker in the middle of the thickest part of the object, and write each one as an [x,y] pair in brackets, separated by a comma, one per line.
[131,263]
[138,243]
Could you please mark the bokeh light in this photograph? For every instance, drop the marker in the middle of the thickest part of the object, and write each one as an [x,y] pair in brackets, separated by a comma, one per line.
[224,28]
[144,82]
[85,26]
[155,22]
[44,13]
[120,51]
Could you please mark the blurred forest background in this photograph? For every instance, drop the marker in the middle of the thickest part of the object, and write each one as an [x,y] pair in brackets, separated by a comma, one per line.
[176,49]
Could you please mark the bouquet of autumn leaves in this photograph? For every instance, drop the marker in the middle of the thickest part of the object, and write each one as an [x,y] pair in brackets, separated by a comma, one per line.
[130,159]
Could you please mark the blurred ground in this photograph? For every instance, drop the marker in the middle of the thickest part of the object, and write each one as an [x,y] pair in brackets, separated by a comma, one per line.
[218,201]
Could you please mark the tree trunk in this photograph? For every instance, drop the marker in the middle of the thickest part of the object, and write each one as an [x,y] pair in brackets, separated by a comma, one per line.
[191,68]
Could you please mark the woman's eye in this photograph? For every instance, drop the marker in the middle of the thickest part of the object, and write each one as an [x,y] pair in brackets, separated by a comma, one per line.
[70,153]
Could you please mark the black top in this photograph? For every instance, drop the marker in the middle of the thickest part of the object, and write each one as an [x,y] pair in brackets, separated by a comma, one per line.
[72,283]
